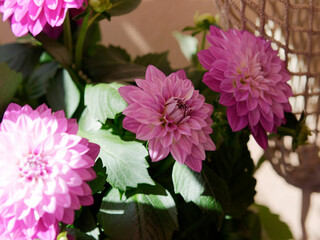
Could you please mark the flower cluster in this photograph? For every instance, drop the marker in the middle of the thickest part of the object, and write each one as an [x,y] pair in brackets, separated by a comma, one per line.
[33,15]
[171,115]
[251,80]
[43,169]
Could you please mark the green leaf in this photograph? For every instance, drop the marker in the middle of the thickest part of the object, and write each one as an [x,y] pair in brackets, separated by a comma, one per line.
[188,44]
[205,189]
[9,83]
[56,49]
[232,162]
[97,184]
[159,60]
[37,84]
[273,227]
[87,122]
[103,101]
[125,160]
[120,7]
[142,216]
[20,57]
[109,55]
[111,64]
[63,94]
[79,235]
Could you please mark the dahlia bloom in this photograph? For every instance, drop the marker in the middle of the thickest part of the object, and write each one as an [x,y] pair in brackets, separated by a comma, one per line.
[33,15]
[43,169]
[171,115]
[251,78]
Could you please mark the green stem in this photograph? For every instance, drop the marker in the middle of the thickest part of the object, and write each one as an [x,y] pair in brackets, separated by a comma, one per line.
[202,46]
[87,22]
[80,41]
[203,41]
[63,227]
[67,36]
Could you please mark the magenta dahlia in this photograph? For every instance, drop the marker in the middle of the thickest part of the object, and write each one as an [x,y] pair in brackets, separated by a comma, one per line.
[171,115]
[33,15]
[251,80]
[44,167]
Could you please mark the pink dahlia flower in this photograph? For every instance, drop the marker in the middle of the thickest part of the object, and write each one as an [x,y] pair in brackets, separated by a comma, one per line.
[33,15]
[43,169]
[251,78]
[171,115]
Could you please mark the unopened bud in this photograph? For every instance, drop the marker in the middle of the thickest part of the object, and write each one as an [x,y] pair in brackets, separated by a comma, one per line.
[200,19]
[100,5]
[62,236]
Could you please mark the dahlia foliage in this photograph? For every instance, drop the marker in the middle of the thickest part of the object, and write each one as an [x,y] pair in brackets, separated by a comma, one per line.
[92,149]
[251,80]
[170,114]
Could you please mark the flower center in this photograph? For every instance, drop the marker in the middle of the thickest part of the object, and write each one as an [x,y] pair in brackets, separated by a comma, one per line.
[176,110]
[33,167]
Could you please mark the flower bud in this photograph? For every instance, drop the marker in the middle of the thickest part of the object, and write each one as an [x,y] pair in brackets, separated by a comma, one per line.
[100,5]
[206,17]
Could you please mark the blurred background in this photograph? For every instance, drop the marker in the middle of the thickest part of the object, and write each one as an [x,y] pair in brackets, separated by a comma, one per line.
[149,29]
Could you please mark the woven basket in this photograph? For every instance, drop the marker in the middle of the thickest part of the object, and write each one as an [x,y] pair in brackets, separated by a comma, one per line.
[293,27]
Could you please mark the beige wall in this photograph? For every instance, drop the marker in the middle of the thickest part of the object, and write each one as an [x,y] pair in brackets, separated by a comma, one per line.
[149,29]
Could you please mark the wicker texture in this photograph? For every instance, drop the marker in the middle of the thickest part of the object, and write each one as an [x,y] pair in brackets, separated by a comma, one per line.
[293,27]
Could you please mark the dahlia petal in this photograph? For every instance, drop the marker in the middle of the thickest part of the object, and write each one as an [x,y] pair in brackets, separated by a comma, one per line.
[93,152]
[194,124]
[20,28]
[166,140]
[261,137]
[242,108]
[220,65]
[20,13]
[185,144]
[252,103]
[206,59]
[177,153]
[146,116]
[254,117]
[153,73]
[236,122]
[211,82]
[123,91]
[156,151]
[277,109]
[184,129]
[241,95]
[181,74]
[209,145]
[227,99]
[194,163]
[86,200]
[198,152]
[130,124]
[68,216]
[195,137]
[145,132]
[267,125]
[227,86]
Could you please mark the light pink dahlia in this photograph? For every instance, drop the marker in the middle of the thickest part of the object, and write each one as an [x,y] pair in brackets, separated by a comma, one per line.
[43,169]
[33,15]
[251,78]
[171,115]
